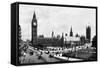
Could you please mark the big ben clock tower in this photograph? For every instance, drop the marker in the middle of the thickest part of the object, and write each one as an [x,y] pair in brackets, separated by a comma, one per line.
[34,30]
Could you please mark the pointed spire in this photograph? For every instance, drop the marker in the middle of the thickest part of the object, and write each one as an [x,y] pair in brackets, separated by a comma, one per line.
[71,28]
[34,18]
[62,35]
[52,33]
[34,15]
[62,40]
[71,32]
[77,35]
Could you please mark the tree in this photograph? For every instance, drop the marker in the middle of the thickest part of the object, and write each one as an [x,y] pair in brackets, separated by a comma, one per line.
[94,41]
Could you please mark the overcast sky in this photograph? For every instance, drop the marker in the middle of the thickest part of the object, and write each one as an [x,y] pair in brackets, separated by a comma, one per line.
[58,19]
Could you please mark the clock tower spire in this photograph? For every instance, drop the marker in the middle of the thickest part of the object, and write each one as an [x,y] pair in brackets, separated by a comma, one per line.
[34,30]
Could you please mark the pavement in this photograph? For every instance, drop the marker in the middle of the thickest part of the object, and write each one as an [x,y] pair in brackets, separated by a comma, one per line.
[68,58]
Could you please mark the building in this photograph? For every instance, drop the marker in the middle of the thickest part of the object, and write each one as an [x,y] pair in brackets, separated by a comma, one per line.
[44,41]
[72,41]
[71,32]
[19,33]
[34,30]
[51,41]
[76,35]
[82,40]
[41,36]
[52,34]
[48,41]
[88,33]
[62,40]
[58,36]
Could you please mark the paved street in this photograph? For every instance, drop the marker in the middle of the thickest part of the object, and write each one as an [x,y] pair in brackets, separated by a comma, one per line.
[34,58]
[45,57]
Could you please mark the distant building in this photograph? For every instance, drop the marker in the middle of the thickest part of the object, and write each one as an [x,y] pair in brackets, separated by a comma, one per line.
[71,32]
[52,34]
[48,41]
[77,35]
[51,41]
[73,38]
[62,40]
[88,33]
[72,41]
[44,41]
[82,40]
[19,33]
[41,36]
[58,36]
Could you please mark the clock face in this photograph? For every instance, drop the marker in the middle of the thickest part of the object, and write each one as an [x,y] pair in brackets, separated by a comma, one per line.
[34,23]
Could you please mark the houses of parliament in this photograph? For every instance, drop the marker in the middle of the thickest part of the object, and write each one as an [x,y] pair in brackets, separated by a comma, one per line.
[59,40]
